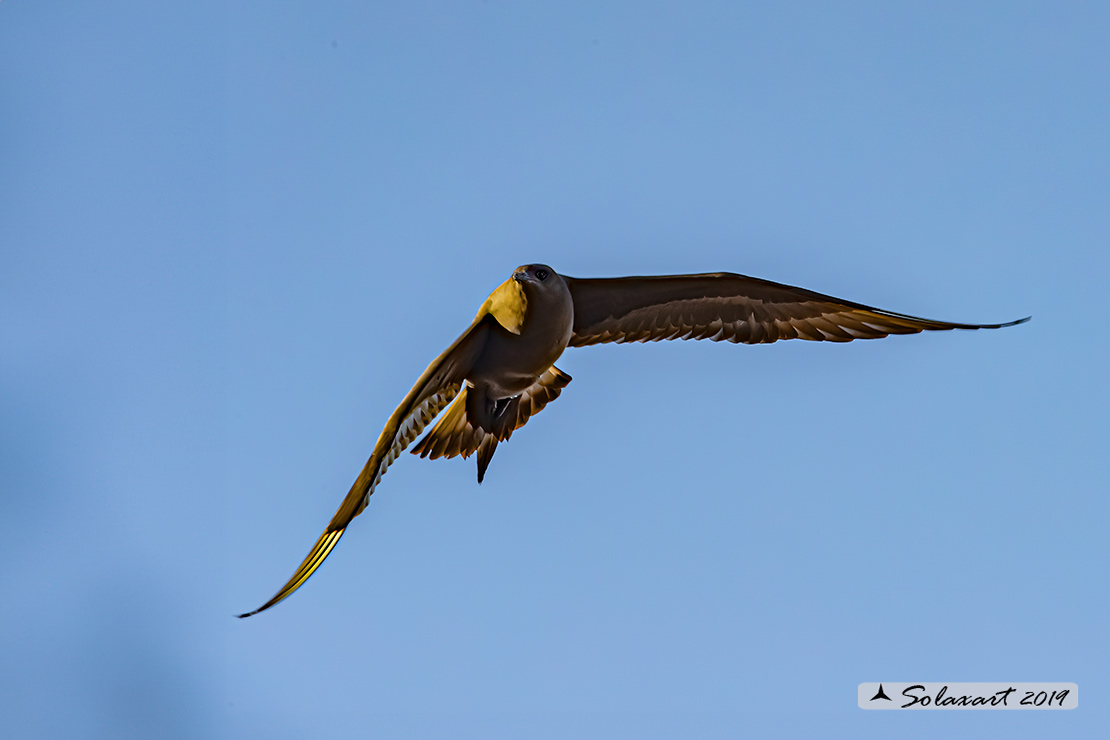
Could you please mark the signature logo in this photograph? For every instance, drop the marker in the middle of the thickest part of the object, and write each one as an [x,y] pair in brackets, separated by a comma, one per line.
[984,695]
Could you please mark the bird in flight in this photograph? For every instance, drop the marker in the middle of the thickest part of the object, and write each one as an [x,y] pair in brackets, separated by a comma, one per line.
[501,371]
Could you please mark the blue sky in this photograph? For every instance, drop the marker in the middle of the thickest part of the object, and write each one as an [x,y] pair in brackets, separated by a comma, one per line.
[231,236]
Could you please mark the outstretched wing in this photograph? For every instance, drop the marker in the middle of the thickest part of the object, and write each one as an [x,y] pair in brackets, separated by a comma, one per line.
[432,392]
[724,306]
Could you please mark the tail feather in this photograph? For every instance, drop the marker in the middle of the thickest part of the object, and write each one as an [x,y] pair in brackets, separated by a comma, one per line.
[455,434]
[485,454]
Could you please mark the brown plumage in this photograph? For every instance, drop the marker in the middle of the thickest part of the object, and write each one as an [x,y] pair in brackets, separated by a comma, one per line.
[501,371]
[454,434]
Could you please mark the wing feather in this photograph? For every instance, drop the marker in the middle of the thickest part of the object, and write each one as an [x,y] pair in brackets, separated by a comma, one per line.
[435,388]
[728,307]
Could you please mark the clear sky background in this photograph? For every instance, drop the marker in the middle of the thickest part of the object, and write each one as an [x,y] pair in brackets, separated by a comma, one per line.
[232,236]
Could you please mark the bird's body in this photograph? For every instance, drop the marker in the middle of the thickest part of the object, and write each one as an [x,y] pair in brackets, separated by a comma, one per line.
[501,371]
[518,351]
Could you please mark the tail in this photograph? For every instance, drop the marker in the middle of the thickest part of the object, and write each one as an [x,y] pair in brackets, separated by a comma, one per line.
[457,434]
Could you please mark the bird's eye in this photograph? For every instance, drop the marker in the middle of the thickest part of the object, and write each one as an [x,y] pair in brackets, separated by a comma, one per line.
[541,274]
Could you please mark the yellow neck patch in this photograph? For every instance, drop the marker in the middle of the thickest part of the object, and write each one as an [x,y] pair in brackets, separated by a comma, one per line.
[507,304]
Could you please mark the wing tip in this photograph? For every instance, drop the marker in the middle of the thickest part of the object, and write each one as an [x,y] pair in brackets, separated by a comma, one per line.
[280,596]
[316,557]
[262,608]
[1003,325]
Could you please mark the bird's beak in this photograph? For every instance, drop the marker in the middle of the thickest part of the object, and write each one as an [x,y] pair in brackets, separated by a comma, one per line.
[520,276]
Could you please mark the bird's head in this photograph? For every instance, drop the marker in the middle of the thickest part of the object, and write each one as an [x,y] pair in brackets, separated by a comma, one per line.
[509,303]
[536,274]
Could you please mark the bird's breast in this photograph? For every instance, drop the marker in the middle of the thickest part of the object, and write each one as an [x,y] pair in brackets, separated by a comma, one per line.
[510,363]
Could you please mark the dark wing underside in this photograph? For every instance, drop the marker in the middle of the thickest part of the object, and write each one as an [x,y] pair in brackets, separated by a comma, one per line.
[432,392]
[723,306]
